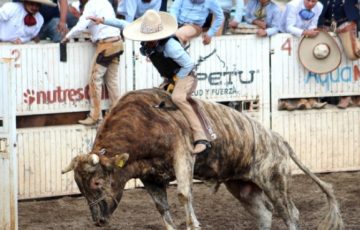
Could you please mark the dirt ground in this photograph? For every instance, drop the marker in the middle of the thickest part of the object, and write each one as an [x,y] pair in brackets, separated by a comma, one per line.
[218,211]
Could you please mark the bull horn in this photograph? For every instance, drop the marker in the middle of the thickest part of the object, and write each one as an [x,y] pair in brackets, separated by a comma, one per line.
[94,159]
[71,166]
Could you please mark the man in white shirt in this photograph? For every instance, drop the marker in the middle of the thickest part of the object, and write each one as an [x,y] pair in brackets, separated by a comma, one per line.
[105,63]
[301,18]
[133,9]
[20,22]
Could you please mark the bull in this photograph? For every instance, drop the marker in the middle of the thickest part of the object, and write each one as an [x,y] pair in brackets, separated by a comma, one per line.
[140,140]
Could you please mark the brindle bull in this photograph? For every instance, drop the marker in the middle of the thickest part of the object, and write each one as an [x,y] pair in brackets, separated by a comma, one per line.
[138,140]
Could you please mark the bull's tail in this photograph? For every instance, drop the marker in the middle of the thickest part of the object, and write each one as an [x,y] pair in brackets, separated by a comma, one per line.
[332,220]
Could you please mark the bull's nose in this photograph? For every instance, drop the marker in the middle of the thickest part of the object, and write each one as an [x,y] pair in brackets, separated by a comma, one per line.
[101,222]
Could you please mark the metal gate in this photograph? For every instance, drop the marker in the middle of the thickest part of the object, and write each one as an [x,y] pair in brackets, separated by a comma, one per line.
[8,159]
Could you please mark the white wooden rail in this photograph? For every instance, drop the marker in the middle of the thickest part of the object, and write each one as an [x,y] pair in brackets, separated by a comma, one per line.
[246,71]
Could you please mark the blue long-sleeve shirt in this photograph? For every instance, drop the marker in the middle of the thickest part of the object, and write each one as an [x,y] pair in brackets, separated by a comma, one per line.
[175,51]
[119,23]
[272,19]
[133,9]
[227,5]
[187,12]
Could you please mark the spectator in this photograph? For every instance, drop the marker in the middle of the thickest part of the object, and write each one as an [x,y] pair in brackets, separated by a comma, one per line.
[55,26]
[106,58]
[342,17]
[227,6]
[300,17]
[155,30]
[20,22]
[75,10]
[265,14]
[133,9]
[191,16]
[239,13]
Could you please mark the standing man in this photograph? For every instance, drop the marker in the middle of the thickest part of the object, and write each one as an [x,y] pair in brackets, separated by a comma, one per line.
[301,18]
[133,9]
[55,26]
[191,16]
[226,6]
[155,30]
[20,22]
[265,14]
[105,62]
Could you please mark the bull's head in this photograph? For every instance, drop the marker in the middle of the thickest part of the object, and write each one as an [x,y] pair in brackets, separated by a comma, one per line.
[94,176]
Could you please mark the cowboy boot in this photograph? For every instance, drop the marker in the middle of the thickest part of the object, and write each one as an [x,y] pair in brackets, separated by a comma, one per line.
[88,121]
[356,100]
[315,104]
[303,103]
[286,105]
[344,102]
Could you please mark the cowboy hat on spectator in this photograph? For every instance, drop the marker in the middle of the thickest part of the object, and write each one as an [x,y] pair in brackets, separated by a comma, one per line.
[43,2]
[151,26]
[320,54]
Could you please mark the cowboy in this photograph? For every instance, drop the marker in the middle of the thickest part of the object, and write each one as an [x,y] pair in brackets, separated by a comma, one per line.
[133,9]
[191,16]
[21,22]
[155,30]
[105,63]
[342,16]
[265,14]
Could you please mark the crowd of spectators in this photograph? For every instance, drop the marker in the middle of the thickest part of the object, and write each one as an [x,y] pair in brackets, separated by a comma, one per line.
[25,20]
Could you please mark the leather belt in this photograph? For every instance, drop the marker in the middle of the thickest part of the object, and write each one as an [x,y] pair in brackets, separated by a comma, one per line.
[109,39]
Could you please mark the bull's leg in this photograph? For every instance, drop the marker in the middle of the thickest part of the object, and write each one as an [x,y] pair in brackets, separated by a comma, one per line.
[254,201]
[159,195]
[184,165]
[277,189]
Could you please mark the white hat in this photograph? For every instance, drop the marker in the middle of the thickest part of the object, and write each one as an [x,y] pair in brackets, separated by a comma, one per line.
[151,26]
[320,54]
[44,2]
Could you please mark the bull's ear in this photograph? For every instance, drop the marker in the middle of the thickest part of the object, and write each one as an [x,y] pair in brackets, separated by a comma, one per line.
[120,160]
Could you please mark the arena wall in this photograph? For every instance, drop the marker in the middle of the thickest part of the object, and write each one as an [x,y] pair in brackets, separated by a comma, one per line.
[326,140]
[8,156]
[245,72]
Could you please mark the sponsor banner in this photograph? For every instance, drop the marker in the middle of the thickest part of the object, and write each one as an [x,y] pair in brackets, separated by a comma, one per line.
[44,84]
[227,69]
[292,80]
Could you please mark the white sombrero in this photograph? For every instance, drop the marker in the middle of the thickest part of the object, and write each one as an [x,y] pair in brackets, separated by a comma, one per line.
[44,2]
[151,26]
[320,54]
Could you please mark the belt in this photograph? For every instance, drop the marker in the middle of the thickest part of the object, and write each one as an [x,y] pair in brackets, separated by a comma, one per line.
[338,21]
[109,39]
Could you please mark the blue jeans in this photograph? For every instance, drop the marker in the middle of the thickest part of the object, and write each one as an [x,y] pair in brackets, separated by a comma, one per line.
[49,30]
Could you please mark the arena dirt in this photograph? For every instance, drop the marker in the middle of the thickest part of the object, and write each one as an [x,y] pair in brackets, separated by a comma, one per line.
[218,211]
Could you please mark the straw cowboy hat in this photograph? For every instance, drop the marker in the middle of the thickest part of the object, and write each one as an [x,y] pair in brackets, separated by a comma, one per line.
[151,26]
[44,2]
[320,54]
